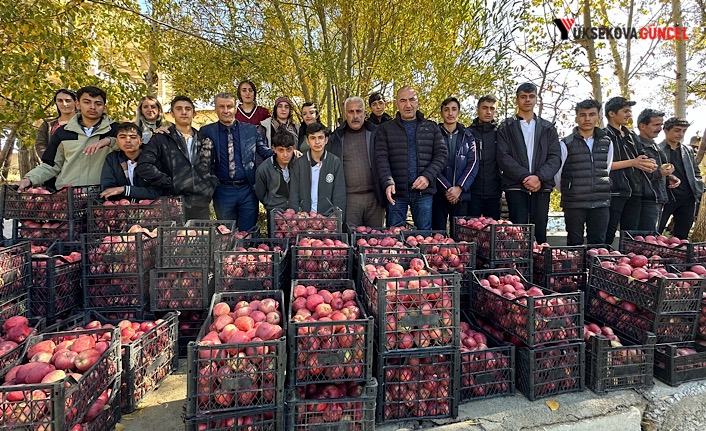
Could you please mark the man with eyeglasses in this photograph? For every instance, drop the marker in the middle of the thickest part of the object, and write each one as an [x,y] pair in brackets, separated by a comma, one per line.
[410,153]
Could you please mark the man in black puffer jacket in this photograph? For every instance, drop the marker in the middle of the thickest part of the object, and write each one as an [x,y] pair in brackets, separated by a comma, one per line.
[486,189]
[410,153]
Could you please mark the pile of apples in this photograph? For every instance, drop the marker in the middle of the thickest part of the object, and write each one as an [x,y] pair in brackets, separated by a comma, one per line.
[394,230]
[340,345]
[505,299]
[479,363]
[15,331]
[660,240]
[555,370]
[334,403]
[511,241]
[443,254]
[322,259]
[289,223]
[13,260]
[251,263]
[379,242]
[116,254]
[561,283]
[235,349]
[561,260]
[113,216]
[39,203]
[419,308]
[417,387]
[179,289]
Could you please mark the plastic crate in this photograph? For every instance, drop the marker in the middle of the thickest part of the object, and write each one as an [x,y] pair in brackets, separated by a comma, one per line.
[119,291]
[414,311]
[395,230]
[109,416]
[441,258]
[263,419]
[112,216]
[628,244]
[63,230]
[553,260]
[223,232]
[119,255]
[252,270]
[611,368]
[324,262]
[147,360]
[67,203]
[374,240]
[15,270]
[180,247]
[552,318]
[432,375]
[338,351]
[523,266]
[345,413]
[701,332]
[668,328]
[658,294]
[17,305]
[284,224]
[253,379]
[499,241]
[10,357]
[52,408]
[56,281]
[562,283]
[487,373]
[674,369]
[190,323]
[179,289]
[550,371]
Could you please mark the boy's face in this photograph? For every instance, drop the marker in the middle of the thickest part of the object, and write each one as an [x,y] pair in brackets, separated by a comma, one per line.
[284,154]
[129,141]
[317,141]
[91,107]
[526,101]
[183,113]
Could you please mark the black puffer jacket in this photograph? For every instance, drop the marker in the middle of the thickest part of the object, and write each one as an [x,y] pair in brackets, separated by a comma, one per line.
[164,164]
[391,155]
[487,182]
[585,183]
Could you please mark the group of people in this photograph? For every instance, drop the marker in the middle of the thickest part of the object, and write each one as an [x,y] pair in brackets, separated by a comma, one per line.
[374,164]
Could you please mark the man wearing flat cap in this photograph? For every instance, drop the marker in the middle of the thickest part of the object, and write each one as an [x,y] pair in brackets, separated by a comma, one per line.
[626,170]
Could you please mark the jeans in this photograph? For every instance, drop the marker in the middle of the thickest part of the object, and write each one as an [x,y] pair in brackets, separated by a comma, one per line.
[595,221]
[418,203]
[237,203]
[442,210]
[624,212]
[488,207]
[682,211]
[649,216]
[529,208]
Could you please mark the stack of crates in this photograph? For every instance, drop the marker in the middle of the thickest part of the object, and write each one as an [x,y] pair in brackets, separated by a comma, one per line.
[243,376]
[253,264]
[499,245]
[417,321]
[322,256]
[546,327]
[560,268]
[288,223]
[15,279]
[329,357]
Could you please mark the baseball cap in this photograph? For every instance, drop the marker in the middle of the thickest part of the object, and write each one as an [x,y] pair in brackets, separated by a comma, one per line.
[617,103]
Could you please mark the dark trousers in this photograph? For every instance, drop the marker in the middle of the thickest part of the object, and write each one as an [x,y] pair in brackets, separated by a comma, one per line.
[529,208]
[442,210]
[594,219]
[624,212]
[649,216]
[196,212]
[488,207]
[682,211]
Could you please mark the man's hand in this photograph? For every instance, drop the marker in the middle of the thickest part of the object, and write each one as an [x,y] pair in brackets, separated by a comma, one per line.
[94,147]
[642,163]
[666,172]
[161,130]
[389,191]
[673,182]
[453,195]
[532,183]
[113,191]
[23,184]
[297,153]
[421,183]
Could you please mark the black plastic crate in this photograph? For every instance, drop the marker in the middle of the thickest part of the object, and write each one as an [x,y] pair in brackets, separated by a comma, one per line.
[562,283]
[554,317]
[550,371]
[418,385]
[614,368]
[17,305]
[322,261]
[523,266]
[329,351]
[675,366]
[223,232]
[559,259]
[244,269]
[62,404]
[658,294]
[452,257]
[119,255]
[179,289]
[500,241]
[263,419]
[486,373]
[64,204]
[376,240]
[628,244]
[412,312]
[56,280]
[109,416]
[119,291]
[253,379]
[348,412]
[190,323]
[62,230]
[10,357]
[180,246]
[668,328]
[114,216]
[289,224]
[15,270]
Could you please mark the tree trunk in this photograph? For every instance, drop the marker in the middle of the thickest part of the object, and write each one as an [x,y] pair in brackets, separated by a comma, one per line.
[680,50]
[593,72]
[699,234]
[6,152]
[27,159]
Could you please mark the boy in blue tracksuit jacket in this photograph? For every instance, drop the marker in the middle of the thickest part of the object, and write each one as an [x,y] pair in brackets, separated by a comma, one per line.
[454,182]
